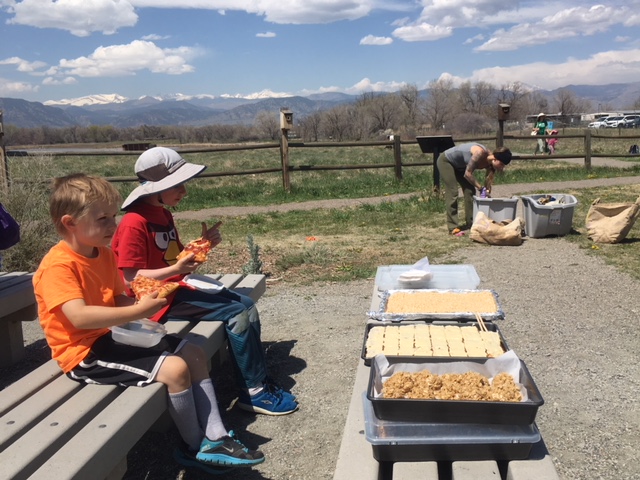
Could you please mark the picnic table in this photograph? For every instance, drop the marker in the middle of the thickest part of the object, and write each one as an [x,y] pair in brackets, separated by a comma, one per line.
[17,305]
[355,458]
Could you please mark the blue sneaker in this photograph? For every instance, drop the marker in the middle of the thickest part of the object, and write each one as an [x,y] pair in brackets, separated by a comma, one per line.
[228,451]
[268,402]
[273,388]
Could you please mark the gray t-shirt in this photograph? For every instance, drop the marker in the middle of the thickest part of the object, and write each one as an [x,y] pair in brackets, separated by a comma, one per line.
[460,155]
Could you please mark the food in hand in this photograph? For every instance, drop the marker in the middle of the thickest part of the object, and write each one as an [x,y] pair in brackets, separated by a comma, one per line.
[143,286]
[200,247]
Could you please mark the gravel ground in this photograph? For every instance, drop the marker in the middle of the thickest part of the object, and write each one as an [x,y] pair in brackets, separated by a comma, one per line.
[571,318]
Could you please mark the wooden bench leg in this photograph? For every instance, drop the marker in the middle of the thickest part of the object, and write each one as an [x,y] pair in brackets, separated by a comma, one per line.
[12,342]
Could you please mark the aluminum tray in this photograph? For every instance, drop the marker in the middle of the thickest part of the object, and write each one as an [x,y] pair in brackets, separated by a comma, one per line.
[421,442]
[454,411]
[492,327]
[399,317]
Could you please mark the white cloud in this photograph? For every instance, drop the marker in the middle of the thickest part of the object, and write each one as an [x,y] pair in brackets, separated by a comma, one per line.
[80,17]
[373,40]
[366,85]
[123,60]
[422,32]
[22,65]
[10,89]
[570,22]
[64,81]
[155,37]
[266,35]
[600,69]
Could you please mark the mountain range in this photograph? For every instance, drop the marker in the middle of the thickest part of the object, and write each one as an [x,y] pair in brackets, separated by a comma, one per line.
[198,110]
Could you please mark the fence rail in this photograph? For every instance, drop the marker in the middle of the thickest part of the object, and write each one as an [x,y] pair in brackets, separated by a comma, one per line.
[396,145]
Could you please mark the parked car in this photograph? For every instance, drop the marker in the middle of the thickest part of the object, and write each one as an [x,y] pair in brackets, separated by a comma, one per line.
[631,121]
[615,122]
[598,123]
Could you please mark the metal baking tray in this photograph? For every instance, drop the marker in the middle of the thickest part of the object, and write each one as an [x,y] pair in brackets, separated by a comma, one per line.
[384,316]
[492,327]
[394,441]
[454,411]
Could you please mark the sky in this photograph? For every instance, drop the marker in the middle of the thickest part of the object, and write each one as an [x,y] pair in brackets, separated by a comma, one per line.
[64,49]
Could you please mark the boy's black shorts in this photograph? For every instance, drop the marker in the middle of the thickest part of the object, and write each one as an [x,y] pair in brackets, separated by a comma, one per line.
[113,363]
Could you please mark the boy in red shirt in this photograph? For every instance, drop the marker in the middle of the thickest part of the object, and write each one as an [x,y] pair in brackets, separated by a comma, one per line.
[80,294]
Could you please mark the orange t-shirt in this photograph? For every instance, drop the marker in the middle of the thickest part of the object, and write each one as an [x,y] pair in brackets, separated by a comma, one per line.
[64,275]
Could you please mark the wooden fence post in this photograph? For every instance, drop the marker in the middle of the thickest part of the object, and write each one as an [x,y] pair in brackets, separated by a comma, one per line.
[397,156]
[284,156]
[4,165]
[587,149]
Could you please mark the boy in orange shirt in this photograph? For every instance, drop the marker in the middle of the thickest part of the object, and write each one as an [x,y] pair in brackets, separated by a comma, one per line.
[80,294]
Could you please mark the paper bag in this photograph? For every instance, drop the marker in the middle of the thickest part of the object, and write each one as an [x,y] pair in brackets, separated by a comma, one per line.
[485,230]
[611,222]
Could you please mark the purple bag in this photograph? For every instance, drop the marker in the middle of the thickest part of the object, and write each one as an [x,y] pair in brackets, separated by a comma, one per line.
[9,229]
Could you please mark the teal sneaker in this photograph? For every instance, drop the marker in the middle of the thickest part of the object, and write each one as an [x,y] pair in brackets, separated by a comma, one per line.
[228,451]
[268,402]
[187,458]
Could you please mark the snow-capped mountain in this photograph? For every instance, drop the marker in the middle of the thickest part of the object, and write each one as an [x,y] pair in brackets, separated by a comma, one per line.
[99,99]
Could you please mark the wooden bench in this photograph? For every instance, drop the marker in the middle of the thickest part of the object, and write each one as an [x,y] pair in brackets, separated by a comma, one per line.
[355,458]
[53,427]
[17,304]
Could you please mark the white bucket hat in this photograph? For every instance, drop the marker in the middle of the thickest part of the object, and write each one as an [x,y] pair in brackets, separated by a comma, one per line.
[160,169]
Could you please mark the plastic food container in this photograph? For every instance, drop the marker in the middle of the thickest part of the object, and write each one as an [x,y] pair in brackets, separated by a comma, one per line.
[453,411]
[444,277]
[139,333]
[394,441]
[497,209]
[554,218]
[492,327]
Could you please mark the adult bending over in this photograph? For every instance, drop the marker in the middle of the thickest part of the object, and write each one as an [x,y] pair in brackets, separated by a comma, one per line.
[457,166]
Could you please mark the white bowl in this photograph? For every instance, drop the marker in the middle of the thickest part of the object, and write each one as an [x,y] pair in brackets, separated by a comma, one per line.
[139,333]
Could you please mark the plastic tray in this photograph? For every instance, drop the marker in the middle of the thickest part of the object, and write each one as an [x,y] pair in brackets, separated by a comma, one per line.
[492,327]
[418,442]
[139,333]
[384,316]
[454,411]
[444,277]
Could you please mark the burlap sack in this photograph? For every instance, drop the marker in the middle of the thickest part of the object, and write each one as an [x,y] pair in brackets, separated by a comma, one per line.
[485,230]
[611,222]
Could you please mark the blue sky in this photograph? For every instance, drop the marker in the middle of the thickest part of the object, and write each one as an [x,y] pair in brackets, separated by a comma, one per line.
[53,50]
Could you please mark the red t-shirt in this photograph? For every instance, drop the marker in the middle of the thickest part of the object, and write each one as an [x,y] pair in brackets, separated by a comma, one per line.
[146,238]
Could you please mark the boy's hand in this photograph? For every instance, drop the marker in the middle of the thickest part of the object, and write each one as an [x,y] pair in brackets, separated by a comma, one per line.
[186,264]
[151,304]
[212,234]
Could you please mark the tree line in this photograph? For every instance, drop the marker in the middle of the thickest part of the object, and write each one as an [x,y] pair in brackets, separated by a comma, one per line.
[443,108]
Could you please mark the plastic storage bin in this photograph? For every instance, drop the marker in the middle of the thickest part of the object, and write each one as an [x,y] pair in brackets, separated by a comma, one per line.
[544,220]
[412,441]
[497,209]
[444,276]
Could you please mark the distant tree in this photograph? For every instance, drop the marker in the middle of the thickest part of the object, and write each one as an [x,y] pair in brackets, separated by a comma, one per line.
[410,98]
[310,126]
[440,103]
[267,124]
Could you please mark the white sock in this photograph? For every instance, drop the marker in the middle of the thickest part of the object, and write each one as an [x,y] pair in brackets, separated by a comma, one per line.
[182,408]
[207,410]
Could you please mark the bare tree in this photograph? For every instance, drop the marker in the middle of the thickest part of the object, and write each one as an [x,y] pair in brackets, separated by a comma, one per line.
[440,103]
[410,98]
[310,126]
[267,125]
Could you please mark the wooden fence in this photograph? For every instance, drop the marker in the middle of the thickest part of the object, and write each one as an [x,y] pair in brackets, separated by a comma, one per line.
[395,144]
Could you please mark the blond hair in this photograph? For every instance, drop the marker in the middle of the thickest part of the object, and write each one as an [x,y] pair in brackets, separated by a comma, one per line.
[75,194]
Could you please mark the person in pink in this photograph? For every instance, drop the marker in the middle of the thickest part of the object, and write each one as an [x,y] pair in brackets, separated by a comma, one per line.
[552,142]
